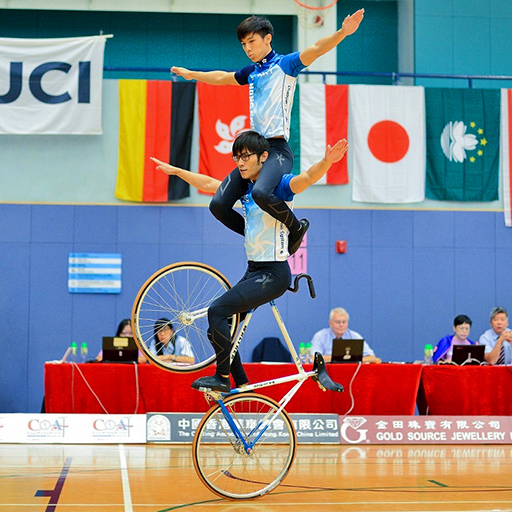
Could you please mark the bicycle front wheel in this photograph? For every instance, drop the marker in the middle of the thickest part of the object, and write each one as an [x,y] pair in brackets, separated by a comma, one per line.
[251,458]
[181,293]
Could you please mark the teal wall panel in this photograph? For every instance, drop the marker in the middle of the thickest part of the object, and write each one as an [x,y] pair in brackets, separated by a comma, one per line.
[463,37]
[141,39]
[374,47]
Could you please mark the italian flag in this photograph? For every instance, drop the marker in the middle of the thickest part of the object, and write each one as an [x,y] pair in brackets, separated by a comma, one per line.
[506,154]
[320,118]
[155,119]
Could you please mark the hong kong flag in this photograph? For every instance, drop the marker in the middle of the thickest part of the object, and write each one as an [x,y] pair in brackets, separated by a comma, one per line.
[223,114]
[387,136]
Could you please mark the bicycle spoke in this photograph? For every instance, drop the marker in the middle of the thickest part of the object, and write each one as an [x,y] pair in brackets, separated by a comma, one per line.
[181,293]
[222,461]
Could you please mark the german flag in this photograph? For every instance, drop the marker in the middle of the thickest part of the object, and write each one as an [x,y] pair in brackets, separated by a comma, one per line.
[155,119]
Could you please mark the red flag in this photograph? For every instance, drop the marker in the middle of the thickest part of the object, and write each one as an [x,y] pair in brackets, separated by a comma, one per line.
[223,114]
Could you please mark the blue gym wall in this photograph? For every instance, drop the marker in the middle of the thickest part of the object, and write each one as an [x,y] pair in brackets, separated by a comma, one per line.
[406,273]
[405,276]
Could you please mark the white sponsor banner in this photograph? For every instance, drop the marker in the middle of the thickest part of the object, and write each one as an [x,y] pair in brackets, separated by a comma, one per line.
[180,427]
[426,430]
[73,428]
[51,86]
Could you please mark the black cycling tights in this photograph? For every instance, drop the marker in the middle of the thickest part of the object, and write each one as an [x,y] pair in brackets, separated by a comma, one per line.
[262,282]
[279,163]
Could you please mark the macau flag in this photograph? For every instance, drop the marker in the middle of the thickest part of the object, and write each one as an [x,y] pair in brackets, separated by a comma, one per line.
[155,119]
[463,132]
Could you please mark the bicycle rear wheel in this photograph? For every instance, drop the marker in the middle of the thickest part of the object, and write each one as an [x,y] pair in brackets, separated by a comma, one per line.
[221,459]
[182,293]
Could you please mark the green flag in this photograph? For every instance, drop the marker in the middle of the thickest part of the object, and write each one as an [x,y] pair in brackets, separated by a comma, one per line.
[295,131]
[463,130]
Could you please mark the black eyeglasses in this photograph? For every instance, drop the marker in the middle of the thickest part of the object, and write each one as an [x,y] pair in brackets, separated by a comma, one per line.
[243,157]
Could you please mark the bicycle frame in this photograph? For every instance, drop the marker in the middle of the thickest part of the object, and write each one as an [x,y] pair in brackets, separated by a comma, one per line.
[300,377]
[318,373]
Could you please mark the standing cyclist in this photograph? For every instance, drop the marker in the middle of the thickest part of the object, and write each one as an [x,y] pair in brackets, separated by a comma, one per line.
[268,274]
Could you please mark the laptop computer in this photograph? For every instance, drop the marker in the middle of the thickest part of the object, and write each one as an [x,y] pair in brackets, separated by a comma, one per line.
[119,350]
[347,351]
[468,354]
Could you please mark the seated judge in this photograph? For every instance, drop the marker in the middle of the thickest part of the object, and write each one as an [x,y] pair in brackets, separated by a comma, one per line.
[124,330]
[498,338]
[168,346]
[443,351]
[338,328]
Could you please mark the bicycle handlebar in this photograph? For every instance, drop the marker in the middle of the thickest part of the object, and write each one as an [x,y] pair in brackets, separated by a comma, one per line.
[311,286]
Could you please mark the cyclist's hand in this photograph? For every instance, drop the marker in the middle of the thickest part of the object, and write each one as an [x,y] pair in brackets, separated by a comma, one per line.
[351,23]
[167,168]
[337,152]
[183,72]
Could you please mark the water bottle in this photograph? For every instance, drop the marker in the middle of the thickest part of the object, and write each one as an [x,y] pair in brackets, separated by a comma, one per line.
[302,352]
[73,353]
[309,355]
[83,352]
[428,354]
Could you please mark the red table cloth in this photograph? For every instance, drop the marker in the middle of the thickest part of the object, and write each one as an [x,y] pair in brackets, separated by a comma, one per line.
[467,390]
[385,389]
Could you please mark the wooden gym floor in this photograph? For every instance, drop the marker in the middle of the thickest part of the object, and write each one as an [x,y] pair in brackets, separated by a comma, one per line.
[161,478]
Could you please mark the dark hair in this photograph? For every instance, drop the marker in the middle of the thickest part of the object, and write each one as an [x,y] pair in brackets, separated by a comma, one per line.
[252,142]
[122,325]
[254,25]
[462,319]
[159,325]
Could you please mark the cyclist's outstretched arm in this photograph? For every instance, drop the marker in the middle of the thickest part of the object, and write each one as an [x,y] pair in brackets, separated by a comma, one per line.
[350,25]
[332,154]
[209,77]
[200,181]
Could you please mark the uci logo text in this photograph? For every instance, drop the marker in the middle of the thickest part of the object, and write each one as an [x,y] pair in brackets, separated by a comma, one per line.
[35,82]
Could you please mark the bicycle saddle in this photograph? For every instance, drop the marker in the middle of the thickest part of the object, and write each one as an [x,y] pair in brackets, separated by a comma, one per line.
[321,376]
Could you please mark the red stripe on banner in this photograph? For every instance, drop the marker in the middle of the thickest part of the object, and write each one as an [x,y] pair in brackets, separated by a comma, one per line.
[158,139]
[336,127]
[509,112]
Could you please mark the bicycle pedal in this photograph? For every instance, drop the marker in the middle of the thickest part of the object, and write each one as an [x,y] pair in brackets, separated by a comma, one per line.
[209,394]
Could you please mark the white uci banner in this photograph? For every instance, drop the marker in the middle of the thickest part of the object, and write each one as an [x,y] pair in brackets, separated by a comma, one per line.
[51,86]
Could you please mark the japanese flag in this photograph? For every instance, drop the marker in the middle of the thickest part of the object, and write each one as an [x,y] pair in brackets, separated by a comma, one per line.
[387,134]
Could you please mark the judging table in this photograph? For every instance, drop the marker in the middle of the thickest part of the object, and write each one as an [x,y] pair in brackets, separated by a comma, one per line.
[377,389]
[467,391]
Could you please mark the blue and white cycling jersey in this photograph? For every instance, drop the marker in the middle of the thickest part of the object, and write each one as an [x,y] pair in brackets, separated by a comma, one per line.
[271,88]
[266,239]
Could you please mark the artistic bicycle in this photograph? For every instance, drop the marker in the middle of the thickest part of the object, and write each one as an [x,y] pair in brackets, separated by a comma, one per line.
[245,444]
